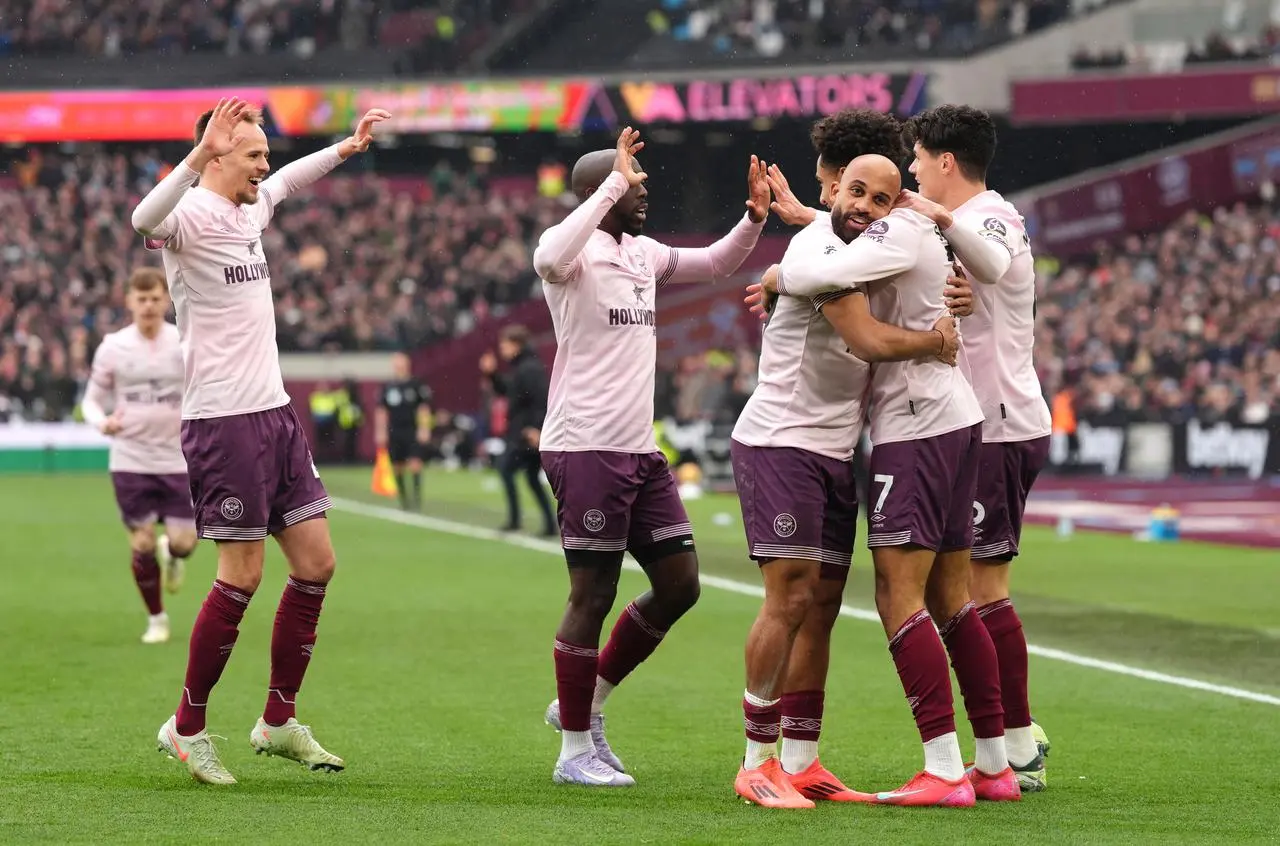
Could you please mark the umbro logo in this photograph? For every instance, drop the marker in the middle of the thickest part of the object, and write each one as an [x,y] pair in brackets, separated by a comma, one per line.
[253,250]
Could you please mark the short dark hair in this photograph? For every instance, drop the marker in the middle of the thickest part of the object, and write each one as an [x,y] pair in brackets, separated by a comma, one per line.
[515,334]
[967,133]
[148,279]
[202,122]
[842,137]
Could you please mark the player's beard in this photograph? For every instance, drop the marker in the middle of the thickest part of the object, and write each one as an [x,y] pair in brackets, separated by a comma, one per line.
[846,225]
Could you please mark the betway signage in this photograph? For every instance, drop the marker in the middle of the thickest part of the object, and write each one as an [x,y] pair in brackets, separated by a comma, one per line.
[1128,97]
[788,97]
[1147,196]
[1194,448]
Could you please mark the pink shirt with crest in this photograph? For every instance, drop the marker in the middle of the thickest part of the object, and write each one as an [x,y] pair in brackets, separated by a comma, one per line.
[901,262]
[990,239]
[139,379]
[221,285]
[601,294]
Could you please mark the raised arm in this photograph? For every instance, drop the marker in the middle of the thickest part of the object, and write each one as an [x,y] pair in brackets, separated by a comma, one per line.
[718,261]
[154,217]
[556,257]
[873,341]
[984,252]
[297,175]
[885,249]
[723,258]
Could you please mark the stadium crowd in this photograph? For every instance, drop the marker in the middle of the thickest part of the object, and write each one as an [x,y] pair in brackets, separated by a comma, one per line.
[1154,327]
[772,27]
[372,264]
[131,27]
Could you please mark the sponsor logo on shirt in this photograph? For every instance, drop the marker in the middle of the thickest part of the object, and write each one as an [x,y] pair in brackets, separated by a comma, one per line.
[241,273]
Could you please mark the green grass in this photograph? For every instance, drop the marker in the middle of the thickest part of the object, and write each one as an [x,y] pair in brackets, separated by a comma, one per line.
[434,665]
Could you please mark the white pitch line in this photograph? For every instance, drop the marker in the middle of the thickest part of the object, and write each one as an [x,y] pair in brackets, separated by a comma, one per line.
[450,527]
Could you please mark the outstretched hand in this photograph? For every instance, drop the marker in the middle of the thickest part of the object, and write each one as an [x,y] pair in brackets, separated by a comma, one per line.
[757,191]
[363,136]
[220,137]
[785,204]
[624,162]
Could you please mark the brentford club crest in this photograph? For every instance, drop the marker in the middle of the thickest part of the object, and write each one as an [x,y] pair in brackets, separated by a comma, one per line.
[784,525]
[593,520]
[232,508]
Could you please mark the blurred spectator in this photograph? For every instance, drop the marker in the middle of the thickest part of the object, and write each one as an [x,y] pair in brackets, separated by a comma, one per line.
[440,32]
[1159,327]
[771,27]
[366,263]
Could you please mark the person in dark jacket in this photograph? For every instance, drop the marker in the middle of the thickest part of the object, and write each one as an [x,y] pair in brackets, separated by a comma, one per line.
[524,384]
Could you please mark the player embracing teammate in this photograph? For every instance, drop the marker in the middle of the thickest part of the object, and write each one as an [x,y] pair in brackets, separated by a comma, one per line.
[929,457]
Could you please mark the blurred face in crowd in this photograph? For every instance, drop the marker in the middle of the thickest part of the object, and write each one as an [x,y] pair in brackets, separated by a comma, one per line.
[400,365]
[508,349]
[868,189]
[148,308]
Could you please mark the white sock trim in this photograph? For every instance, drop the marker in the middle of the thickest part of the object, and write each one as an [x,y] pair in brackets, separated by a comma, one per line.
[757,702]
[575,743]
[989,755]
[942,757]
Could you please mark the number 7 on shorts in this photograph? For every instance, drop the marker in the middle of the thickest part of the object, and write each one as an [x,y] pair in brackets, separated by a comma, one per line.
[887,485]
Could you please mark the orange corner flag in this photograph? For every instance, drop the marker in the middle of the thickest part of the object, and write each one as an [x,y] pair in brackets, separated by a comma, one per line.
[384,480]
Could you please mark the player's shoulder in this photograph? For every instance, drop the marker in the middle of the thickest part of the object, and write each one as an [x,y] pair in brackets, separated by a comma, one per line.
[899,224]
[992,212]
[119,338]
[817,234]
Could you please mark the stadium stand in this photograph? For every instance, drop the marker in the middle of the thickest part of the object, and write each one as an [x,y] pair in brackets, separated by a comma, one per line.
[1156,326]
[687,33]
[373,264]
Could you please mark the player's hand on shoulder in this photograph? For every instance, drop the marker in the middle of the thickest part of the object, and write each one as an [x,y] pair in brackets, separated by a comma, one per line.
[908,199]
[624,162]
[958,295]
[785,204]
[769,279]
[758,190]
[363,136]
[950,342]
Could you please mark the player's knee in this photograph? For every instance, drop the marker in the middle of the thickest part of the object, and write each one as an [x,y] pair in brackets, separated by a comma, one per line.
[989,581]
[182,543]
[826,605]
[319,567]
[143,540]
[594,600]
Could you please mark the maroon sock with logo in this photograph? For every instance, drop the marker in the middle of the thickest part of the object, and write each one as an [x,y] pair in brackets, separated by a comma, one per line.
[212,638]
[921,660]
[292,640]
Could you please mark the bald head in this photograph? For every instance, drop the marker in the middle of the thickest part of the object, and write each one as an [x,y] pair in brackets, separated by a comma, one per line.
[627,215]
[590,171]
[874,170]
[868,189]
